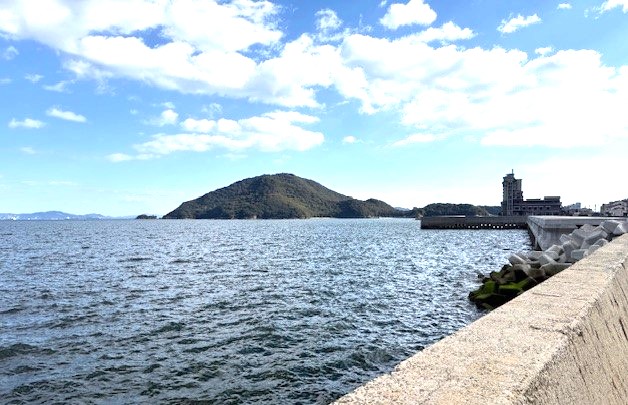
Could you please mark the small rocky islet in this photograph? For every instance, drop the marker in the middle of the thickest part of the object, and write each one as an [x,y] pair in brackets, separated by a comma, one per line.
[527,269]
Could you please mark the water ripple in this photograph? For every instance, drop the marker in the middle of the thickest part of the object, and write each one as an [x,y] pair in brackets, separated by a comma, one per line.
[227,311]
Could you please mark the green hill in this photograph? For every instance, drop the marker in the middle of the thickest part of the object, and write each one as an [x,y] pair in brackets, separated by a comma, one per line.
[279,196]
[439,209]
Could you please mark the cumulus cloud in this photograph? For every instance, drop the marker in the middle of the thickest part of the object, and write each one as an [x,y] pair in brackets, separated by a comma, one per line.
[202,46]
[271,132]
[611,4]
[28,123]
[449,32]
[564,6]
[10,53]
[503,97]
[412,12]
[544,51]
[167,117]
[518,22]
[65,115]
[349,139]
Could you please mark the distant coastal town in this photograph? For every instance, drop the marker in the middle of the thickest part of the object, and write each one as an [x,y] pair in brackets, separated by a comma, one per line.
[514,204]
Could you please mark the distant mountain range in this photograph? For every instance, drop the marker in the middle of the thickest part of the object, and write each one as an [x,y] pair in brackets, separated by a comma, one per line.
[55,215]
[280,196]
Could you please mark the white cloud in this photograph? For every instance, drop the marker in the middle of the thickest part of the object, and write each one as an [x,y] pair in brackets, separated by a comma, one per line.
[417,138]
[327,20]
[202,46]
[201,126]
[503,97]
[65,115]
[383,3]
[33,78]
[564,6]
[544,51]
[10,53]
[449,32]
[518,22]
[349,139]
[167,117]
[271,132]
[28,150]
[5,81]
[61,87]
[413,12]
[28,123]
[611,4]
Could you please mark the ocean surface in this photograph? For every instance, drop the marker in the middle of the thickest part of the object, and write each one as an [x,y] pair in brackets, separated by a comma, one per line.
[169,311]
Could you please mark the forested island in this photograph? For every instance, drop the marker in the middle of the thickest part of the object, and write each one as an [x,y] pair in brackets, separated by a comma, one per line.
[286,196]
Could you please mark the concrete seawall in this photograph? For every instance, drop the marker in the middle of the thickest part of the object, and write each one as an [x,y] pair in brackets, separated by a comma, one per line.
[562,342]
[546,230]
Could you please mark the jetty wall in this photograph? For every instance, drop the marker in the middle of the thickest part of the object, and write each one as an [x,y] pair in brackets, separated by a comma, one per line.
[545,231]
[563,342]
[462,222]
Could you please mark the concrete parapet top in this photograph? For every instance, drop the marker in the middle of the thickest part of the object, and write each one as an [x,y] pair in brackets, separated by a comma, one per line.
[562,342]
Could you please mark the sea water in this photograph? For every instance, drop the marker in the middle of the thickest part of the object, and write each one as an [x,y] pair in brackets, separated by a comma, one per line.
[174,311]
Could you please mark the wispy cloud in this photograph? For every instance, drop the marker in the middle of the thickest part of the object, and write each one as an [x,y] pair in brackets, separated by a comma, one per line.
[28,123]
[417,138]
[61,87]
[10,53]
[518,22]
[33,78]
[5,81]
[564,6]
[65,115]
[28,150]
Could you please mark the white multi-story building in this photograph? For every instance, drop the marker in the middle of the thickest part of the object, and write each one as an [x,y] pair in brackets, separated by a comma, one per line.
[615,208]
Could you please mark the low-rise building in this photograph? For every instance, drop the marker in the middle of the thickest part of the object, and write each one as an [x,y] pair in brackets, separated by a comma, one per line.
[615,208]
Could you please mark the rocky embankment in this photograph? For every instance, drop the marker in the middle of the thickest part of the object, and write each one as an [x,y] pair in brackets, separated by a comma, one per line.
[527,269]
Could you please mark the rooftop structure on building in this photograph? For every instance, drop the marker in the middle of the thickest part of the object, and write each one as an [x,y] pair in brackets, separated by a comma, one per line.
[513,203]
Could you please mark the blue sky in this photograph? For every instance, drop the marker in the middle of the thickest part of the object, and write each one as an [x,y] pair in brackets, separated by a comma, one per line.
[123,107]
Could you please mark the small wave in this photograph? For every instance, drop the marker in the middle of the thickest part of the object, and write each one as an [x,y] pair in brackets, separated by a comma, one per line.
[18,349]
[135,259]
[10,311]
[170,327]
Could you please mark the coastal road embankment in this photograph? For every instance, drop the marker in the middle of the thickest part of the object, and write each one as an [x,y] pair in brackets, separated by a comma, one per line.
[562,342]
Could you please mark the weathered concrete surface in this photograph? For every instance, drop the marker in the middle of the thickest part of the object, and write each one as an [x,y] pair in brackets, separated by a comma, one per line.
[562,342]
[546,230]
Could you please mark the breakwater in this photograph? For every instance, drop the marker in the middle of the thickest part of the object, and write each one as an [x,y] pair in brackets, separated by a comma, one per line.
[461,222]
[565,341]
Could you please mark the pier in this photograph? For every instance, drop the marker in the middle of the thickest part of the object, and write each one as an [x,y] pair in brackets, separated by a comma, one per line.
[462,222]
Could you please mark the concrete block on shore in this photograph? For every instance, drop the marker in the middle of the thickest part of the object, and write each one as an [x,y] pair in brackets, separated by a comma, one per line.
[558,249]
[516,259]
[579,254]
[610,225]
[548,258]
[621,229]
[601,242]
[534,255]
[569,247]
[553,269]
[578,236]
